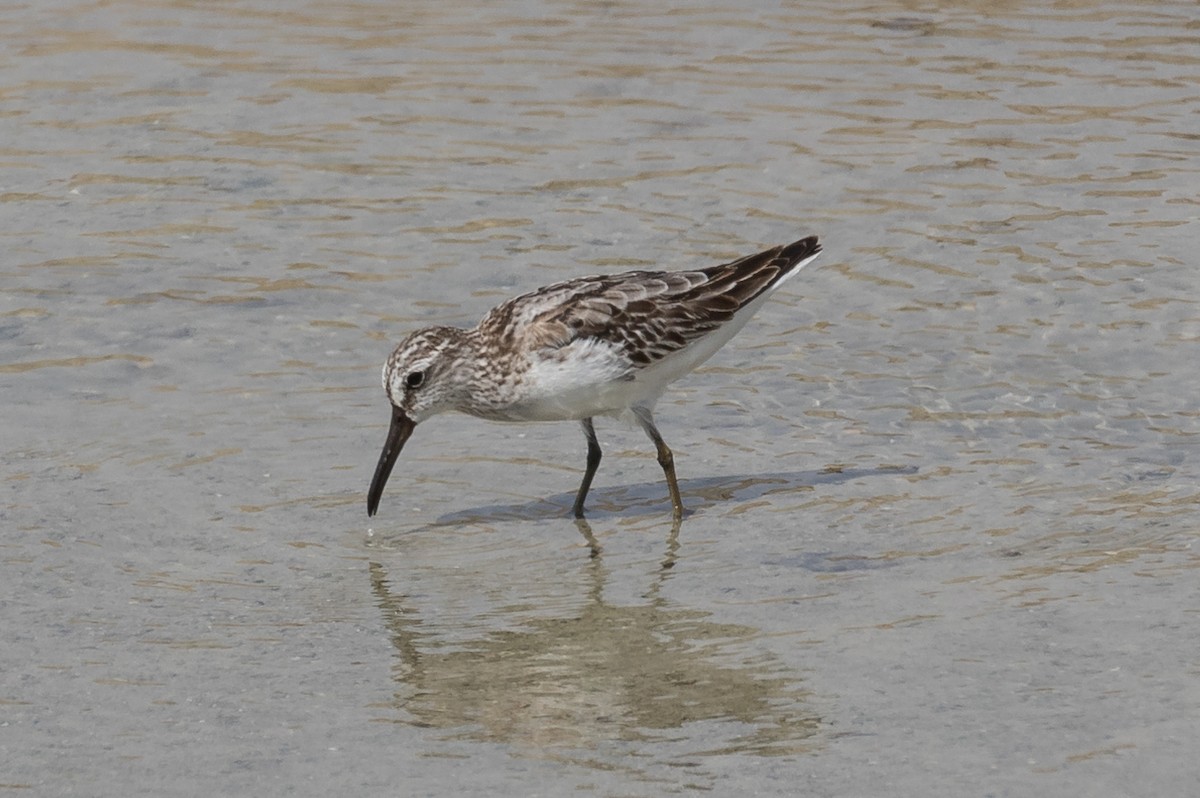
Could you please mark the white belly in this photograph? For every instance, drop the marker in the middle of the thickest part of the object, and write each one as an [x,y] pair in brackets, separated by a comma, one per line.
[594,378]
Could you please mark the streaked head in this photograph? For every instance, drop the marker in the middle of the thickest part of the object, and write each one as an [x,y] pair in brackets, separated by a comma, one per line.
[420,382]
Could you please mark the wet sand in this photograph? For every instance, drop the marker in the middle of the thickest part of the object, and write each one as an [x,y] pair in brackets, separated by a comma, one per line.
[943,488]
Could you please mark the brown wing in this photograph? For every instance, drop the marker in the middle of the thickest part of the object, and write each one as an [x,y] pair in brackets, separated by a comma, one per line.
[647,314]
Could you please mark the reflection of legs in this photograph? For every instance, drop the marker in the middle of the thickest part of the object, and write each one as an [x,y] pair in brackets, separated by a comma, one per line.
[665,458]
[585,529]
[593,462]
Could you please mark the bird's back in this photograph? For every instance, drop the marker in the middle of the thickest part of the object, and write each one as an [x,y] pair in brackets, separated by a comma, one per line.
[647,314]
[604,343]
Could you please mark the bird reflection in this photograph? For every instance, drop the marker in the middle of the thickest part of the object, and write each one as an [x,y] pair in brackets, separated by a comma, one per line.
[608,675]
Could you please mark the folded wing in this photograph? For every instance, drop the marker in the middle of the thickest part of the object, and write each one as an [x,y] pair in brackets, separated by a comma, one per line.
[647,315]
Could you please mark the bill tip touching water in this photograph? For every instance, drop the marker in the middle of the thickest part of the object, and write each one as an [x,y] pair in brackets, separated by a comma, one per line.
[605,345]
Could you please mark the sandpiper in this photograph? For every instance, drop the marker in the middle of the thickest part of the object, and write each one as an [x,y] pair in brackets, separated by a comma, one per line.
[593,346]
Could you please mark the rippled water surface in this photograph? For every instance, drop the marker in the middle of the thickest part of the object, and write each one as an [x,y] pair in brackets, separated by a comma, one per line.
[944,487]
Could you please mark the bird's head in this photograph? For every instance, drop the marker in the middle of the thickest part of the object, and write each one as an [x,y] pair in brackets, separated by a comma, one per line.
[421,380]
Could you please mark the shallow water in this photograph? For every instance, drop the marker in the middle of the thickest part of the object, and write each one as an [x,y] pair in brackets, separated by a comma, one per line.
[944,487]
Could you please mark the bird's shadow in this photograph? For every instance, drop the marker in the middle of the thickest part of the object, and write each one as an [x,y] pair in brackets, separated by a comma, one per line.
[699,494]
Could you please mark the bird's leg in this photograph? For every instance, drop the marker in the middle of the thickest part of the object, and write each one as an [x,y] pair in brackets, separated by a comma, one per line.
[593,462]
[665,458]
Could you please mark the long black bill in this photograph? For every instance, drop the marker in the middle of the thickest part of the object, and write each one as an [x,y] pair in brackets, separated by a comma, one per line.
[402,427]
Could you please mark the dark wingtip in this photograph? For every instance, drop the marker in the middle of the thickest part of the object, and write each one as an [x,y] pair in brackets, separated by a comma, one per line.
[799,250]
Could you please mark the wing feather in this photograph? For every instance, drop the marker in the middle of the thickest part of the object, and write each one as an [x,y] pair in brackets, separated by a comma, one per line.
[646,315]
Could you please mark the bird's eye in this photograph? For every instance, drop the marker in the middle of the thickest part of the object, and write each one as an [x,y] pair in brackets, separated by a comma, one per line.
[414,380]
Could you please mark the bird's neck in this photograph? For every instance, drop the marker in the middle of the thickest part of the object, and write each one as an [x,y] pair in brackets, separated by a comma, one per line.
[484,373]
